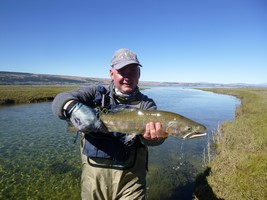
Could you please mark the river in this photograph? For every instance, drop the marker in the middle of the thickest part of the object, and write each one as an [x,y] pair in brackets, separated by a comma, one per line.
[40,160]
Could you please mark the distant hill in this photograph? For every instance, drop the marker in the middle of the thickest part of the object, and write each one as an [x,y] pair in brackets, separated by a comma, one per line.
[19,78]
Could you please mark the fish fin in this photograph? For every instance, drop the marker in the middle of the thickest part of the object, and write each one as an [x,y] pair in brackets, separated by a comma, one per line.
[129,137]
[70,128]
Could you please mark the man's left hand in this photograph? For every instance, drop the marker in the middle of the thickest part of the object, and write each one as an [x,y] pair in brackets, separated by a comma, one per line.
[154,131]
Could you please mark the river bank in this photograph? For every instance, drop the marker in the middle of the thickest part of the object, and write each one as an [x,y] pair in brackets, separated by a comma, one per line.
[238,171]
[11,95]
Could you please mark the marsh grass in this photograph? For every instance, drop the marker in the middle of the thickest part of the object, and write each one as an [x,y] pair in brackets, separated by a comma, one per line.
[10,95]
[239,169]
[211,146]
[30,94]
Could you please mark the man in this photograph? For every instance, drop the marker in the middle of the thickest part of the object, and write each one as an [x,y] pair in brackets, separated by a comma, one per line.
[114,165]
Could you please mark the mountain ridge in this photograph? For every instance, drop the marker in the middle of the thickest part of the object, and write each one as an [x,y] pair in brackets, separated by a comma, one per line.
[23,78]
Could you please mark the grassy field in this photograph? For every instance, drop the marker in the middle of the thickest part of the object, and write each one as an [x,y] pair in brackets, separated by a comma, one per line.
[10,95]
[30,94]
[239,170]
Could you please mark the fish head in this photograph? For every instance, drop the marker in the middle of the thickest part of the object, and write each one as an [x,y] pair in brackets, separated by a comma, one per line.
[185,130]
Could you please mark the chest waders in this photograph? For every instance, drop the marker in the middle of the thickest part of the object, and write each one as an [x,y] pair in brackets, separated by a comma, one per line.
[111,150]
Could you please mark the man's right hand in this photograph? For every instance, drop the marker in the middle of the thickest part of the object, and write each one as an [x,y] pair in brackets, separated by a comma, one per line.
[84,118]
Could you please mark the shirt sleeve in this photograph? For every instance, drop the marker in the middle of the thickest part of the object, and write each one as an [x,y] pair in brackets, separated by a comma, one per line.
[84,95]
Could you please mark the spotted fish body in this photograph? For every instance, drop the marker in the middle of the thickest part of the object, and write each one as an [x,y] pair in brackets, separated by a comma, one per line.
[134,122]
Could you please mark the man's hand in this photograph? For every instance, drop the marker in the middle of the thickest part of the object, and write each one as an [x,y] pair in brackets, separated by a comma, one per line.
[84,118]
[154,131]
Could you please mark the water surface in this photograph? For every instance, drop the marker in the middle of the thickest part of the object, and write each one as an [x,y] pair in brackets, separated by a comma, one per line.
[175,164]
[39,160]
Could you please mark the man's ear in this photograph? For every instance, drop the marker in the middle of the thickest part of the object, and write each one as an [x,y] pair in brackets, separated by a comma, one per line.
[111,74]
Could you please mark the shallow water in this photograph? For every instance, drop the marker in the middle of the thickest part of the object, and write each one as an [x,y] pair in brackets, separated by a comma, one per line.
[39,160]
[175,164]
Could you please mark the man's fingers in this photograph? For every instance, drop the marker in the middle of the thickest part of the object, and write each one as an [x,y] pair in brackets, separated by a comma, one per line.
[159,130]
[153,131]
[147,132]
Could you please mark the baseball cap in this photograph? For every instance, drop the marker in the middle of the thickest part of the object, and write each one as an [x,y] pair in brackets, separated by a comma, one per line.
[123,57]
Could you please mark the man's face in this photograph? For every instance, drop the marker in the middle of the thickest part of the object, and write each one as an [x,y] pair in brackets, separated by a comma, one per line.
[126,79]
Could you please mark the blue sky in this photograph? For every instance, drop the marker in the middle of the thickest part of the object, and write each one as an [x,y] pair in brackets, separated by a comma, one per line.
[216,41]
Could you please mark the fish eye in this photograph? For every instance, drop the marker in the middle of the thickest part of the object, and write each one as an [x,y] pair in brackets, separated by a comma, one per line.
[189,128]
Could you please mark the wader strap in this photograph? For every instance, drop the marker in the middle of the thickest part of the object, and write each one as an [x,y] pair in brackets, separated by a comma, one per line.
[102,100]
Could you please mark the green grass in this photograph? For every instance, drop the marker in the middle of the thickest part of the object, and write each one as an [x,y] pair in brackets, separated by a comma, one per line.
[30,94]
[10,95]
[239,169]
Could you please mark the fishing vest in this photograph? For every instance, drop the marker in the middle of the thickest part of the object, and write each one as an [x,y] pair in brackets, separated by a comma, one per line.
[110,150]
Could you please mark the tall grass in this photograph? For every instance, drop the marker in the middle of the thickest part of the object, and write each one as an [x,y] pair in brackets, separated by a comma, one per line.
[211,146]
[30,94]
[239,169]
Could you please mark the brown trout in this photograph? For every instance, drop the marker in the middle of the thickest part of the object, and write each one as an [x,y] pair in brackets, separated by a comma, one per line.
[134,122]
